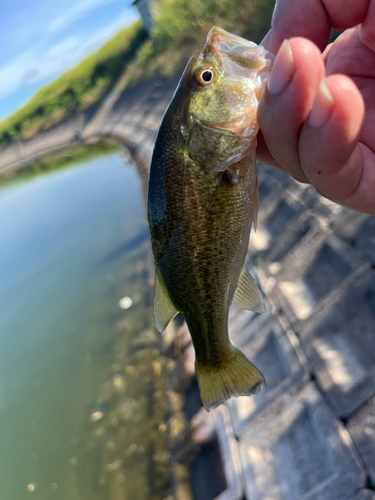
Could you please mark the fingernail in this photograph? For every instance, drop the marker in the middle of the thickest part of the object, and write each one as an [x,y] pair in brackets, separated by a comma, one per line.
[282,71]
[322,107]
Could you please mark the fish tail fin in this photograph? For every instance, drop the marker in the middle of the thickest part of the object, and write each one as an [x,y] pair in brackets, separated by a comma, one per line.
[235,376]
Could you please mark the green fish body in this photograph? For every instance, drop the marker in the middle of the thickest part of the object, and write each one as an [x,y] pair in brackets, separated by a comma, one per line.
[202,201]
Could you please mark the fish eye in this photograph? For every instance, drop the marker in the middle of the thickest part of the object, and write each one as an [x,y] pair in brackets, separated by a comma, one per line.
[204,76]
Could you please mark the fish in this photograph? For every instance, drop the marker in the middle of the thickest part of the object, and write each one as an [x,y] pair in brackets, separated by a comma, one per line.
[202,202]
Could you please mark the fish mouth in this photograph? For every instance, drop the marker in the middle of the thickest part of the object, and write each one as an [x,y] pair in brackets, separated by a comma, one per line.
[243,52]
[235,126]
[223,40]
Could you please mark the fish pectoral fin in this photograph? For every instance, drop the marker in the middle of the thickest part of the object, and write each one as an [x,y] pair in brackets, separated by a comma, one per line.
[235,376]
[164,310]
[247,295]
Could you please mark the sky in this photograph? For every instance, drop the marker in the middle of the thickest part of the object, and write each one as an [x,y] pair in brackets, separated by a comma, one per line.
[41,39]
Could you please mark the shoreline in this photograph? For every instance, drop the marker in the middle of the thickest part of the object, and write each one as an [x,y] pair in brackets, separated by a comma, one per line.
[130,119]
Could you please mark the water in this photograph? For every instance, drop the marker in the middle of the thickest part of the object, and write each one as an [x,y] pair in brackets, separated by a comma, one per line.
[81,381]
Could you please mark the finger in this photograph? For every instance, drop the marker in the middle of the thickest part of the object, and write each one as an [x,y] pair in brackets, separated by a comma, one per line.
[330,155]
[313,19]
[263,154]
[367,29]
[287,101]
[349,56]
[295,18]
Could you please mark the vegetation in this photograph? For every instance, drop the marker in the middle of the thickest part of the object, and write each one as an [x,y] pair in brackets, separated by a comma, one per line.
[55,161]
[81,87]
[180,29]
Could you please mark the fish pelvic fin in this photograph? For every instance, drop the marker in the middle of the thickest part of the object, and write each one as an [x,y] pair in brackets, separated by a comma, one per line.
[235,376]
[164,309]
[247,294]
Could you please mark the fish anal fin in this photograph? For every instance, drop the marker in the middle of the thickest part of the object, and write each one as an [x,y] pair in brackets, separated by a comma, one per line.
[164,310]
[235,376]
[247,295]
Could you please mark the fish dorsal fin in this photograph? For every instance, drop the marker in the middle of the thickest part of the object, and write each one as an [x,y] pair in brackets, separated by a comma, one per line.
[256,205]
[247,295]
[164,310]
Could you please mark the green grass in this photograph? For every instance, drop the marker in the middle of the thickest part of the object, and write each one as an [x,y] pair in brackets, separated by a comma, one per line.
[77,89]
[180,29]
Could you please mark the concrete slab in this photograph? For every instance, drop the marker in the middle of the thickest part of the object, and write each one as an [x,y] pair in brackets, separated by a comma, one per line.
[207,472]
[229,450]
[358,230]
[267,185]
[363,240]
[362,430]
[311,271]
[243,323]
[295,450]
[213,459]
[275,209]
[275,219]
[321,206]
[305,225]
[338,341]
[363,495]
[193,402]
[282,178]
[277,354]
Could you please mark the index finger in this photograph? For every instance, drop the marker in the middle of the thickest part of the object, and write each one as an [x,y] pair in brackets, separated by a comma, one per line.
[313,19]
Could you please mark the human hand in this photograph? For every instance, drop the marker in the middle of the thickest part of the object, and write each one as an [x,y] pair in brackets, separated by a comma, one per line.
[322,130]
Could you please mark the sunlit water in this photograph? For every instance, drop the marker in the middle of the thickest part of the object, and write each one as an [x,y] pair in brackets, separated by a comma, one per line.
[81,381]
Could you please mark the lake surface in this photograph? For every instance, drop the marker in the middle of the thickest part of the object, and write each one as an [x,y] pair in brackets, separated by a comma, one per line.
[82,388]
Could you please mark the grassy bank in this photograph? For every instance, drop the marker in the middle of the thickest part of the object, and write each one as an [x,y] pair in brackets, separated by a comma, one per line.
[77,89]
[59,160]
[180,29]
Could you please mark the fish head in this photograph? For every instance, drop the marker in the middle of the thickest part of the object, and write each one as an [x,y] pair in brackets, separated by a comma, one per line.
[224,82]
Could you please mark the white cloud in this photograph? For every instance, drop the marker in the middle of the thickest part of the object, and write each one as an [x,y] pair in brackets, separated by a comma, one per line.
[74,13]
[44,61]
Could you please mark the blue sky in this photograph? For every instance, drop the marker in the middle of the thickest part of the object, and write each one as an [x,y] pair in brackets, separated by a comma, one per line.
[40,39]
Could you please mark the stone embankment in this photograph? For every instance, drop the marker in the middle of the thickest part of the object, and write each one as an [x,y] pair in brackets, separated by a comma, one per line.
[310,434]
[22,153]
[131,120]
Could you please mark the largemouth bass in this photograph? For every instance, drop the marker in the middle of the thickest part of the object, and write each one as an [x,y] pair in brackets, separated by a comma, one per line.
[202,201]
